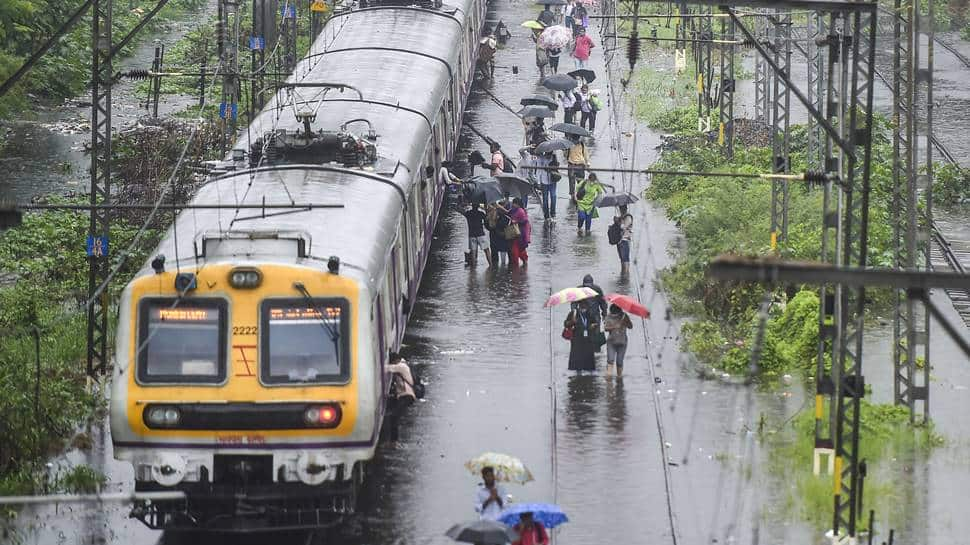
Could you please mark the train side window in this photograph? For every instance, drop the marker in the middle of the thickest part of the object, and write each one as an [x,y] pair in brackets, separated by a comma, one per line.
[406,257]
[182,341]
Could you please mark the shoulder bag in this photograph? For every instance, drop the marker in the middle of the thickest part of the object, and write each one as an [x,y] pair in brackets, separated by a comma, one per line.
[512,231]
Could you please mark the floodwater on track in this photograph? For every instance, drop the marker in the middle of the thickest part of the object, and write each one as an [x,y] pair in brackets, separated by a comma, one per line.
[496,372]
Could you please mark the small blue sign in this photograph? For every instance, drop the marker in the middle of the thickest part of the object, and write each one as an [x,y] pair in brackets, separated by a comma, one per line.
[233,110]
[257,43]
[288,11]
[97,246]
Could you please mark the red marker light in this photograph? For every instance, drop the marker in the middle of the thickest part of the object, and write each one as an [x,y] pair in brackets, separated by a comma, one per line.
[324,416]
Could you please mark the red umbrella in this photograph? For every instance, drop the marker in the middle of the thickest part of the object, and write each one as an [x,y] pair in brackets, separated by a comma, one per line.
[628,304]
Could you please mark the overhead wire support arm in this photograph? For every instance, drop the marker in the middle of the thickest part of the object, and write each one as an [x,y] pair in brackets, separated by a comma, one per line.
[147,18]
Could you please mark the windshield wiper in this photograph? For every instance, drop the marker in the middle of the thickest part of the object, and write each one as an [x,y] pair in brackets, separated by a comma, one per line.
[329,328]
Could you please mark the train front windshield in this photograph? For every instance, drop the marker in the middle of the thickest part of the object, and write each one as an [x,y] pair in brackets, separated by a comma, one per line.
[182,341]
[305,341]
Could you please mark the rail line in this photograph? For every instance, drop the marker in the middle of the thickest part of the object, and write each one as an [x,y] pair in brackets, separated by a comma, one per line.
[942,254]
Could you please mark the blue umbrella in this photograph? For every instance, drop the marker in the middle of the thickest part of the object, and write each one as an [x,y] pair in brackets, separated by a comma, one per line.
[548,514]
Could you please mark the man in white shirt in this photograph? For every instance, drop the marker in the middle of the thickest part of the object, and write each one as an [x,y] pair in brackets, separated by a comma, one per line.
[489,500]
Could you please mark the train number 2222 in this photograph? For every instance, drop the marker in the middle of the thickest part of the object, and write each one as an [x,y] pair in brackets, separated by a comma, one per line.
[244,330]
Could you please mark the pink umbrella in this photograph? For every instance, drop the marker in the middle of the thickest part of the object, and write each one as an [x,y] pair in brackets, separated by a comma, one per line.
[555,37]
[569,295]
[628,304]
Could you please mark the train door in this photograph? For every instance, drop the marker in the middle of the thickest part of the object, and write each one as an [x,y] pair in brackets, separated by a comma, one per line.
[381,343]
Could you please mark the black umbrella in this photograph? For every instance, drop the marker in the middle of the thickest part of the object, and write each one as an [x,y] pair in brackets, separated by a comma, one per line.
[483,190]
[535,111]
[587,75]
[559,82]
[553,145]
[615,199]
[569,128]
[487,532]
[513,185]
[540,100]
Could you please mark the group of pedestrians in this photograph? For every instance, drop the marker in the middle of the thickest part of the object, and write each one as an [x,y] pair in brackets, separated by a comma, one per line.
[592,323]
[490,501]
[573,17]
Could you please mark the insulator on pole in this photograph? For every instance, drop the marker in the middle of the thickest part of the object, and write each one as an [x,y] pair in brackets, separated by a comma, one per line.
[633,49]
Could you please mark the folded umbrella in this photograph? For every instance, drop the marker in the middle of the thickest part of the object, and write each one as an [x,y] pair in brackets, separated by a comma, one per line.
[569,295]
[628,304]
[555,37]
[551,2]
[550,515]
[559,82]
[615,199]
[536,111]
[540,100]
[584,73]
[569,128]
[486,532]
[514,186]
[507,468]
[554,145]
[534,25]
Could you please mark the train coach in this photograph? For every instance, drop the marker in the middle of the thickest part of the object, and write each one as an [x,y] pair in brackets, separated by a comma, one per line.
[251,349]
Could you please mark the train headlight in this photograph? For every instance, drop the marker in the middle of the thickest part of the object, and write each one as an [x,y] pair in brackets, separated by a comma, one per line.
[245,278]
[162,416]
[322,416]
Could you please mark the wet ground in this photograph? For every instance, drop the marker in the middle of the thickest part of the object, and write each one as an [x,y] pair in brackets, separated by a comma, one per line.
[46,151]
[660,456]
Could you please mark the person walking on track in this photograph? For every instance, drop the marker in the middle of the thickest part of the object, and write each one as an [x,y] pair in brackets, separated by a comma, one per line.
[577,160]
[490,497]
[615,325]
[623,234]
[476,235]
[582,49]
[586,193]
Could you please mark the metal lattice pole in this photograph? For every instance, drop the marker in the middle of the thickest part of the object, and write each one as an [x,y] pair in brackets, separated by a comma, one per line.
[98,227]
[910,230]
[229,50]
[816,71]
[289,35]
[829,326]
[780,140]
[861,28]
[761,79]
[726,99]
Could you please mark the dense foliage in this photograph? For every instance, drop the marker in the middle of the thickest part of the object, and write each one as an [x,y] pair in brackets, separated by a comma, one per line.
[65,70]
[39,416]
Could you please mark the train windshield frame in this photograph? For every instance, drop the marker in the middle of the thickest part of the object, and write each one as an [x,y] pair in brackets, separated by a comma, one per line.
[304,341]
[182,340]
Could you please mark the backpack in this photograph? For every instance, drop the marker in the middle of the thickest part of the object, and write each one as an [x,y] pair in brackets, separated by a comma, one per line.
[580,191]
[507,166]
[615,233]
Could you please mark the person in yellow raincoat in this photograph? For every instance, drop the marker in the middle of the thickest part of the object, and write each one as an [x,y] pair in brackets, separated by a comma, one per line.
[586,193]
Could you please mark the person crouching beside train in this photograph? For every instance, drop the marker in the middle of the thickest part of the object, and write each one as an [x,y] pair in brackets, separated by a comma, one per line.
[404,390]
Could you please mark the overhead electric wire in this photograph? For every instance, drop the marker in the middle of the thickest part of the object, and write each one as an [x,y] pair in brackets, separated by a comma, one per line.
[141,230]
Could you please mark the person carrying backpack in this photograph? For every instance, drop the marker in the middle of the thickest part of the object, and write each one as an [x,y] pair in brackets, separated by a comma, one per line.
[592,105]
[620,235]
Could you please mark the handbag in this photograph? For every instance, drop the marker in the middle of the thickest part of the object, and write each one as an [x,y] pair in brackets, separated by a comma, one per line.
[555,176]
[512,231]
[580,191]
[599,339]
[567,333]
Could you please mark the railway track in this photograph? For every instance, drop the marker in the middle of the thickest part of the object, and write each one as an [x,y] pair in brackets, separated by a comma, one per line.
[944,255]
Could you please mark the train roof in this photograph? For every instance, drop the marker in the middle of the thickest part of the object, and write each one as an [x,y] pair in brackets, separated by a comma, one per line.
[400,61]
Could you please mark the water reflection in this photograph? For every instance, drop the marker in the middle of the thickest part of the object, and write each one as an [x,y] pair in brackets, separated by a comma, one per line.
[616,409]
[585,397]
